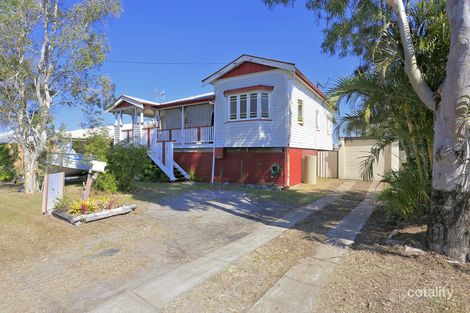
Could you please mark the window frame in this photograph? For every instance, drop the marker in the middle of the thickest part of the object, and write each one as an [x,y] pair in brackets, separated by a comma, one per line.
[249,116]
[317,119]
[300,111]
[230,114]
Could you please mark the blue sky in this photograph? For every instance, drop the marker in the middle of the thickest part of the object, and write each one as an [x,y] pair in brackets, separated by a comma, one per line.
[206,31]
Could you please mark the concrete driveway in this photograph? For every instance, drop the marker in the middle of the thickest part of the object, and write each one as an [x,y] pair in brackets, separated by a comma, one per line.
[97,262]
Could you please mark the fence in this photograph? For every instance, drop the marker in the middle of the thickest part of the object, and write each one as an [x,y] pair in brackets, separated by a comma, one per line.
[327,164]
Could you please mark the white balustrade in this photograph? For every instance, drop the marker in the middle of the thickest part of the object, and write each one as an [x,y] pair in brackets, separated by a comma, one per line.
[189,135]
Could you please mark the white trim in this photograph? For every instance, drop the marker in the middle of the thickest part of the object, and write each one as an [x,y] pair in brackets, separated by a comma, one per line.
[126,99]
[248,112]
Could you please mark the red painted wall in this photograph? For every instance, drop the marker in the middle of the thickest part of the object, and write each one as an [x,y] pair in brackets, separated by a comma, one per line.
[247,68]
[296,157]
[200,161]
[250,167]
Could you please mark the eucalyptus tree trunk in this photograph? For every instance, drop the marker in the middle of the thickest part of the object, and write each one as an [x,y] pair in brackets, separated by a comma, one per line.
[449,216]
[449,222]
[31,170]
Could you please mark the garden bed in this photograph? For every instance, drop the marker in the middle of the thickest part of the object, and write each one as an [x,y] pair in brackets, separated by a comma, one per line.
[90,217]
[92,209]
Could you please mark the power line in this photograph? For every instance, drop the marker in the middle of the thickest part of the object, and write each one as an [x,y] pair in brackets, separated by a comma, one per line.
[164,63]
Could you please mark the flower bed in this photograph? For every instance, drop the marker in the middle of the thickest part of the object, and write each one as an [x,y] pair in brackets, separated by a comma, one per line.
[93,209]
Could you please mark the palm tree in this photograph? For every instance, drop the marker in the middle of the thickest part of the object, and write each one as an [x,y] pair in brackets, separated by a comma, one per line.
[385,106]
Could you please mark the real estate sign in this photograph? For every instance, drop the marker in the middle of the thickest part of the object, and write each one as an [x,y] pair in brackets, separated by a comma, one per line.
[52,190]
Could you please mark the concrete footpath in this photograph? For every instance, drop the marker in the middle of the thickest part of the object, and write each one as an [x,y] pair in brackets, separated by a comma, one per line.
[155,294]
[299,288]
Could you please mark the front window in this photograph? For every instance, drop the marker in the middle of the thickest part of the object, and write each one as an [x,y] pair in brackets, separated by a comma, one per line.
[249,106]
[264,104]
[253,105]
[233,107]
[243,106]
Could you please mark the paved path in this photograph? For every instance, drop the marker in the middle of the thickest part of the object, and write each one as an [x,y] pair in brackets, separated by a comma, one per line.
[299,288]
[155,294]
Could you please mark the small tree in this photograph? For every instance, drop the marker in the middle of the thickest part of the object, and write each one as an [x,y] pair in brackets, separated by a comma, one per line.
[49,54]
[8,156]
[127,162]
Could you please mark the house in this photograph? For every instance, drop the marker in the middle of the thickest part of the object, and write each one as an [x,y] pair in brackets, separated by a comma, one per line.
[258,125]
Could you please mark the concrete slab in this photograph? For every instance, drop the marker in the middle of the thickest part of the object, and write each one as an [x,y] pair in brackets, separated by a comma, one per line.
[299,288]
[161,290]
[127,302]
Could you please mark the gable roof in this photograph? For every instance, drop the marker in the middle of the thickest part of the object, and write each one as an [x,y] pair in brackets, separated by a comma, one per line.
[246,64]
[129,101]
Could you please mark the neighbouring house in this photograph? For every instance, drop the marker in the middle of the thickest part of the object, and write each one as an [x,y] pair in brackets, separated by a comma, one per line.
[263,118]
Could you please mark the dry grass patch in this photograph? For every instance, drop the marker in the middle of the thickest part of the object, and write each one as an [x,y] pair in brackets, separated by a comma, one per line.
[240,285]
[376,277]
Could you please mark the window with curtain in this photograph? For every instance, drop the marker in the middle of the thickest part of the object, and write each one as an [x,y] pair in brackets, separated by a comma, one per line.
[198,115]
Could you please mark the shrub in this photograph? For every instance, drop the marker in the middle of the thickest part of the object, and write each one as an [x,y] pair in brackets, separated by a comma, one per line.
[406,196]
[77,207]
[153,173]
[192,174]
[126,163]
[8,155]
[106,182]
[97,145]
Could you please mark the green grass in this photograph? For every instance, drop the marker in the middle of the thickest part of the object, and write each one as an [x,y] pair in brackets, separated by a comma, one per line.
[17,207]
[291,197]
[299,196]
[150,191]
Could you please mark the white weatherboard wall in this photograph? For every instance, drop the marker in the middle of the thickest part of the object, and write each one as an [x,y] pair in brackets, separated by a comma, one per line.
[248,133]
[307,135]
[354,150]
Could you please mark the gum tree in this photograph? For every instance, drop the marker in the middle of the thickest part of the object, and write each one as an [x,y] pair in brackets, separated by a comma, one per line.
[353,27]
[49,55]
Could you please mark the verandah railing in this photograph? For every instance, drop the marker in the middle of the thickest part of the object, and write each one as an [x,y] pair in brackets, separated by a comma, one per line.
[203,134]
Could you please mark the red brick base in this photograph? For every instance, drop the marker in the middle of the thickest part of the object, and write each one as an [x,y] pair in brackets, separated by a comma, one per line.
[251,166]
[245,166]
[200,162]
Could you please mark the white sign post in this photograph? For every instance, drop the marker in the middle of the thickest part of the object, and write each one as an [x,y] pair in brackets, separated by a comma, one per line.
[52,190]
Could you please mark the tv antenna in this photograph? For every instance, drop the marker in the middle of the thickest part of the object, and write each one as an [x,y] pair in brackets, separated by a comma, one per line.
[159,95]
[323,86]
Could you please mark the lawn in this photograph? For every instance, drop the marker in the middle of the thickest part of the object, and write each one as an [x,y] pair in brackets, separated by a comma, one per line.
[293,197]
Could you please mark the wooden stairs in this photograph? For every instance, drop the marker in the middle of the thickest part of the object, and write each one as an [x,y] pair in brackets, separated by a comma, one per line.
[161,154]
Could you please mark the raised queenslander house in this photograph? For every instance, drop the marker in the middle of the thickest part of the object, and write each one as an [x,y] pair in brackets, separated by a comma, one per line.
[262,119]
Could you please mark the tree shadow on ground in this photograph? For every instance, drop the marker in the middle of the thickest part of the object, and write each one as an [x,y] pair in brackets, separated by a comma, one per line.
[268,211]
